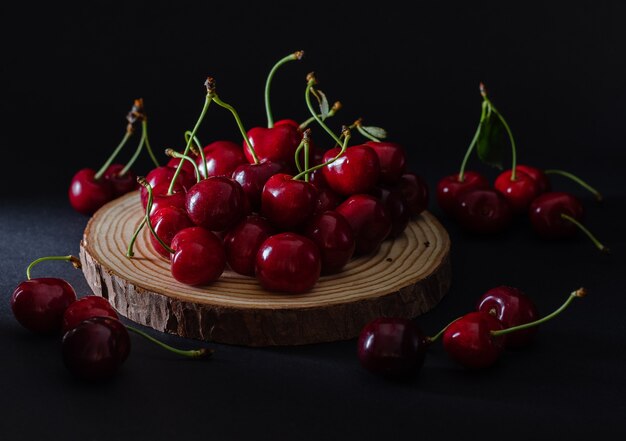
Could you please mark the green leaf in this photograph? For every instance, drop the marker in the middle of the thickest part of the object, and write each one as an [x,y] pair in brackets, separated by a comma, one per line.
[376,132]
[324,108]
[492,145]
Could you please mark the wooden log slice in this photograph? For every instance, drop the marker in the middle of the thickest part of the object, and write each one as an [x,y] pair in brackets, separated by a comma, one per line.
[405,278]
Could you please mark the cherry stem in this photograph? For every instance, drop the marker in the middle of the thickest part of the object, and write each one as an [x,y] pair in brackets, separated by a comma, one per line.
[483,92]
[468,153]
[305,140]
[73,260]
[364,132]
[584,229]
[148,187]
[132,160]
[297,155]
[333,110]
[580,292]
[440,333]
[207,102]
[221,103]
[192,353]
[268,109]
[144,130]
[311,81]
[117,150]
[199,147]
[174,154]
[344,146]
[576,179]
[129,251]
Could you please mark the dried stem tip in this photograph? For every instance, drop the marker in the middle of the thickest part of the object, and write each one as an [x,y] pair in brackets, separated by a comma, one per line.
[310,78]
[142,180]
[580,292]
[306,135]
[210,84]
[336,106]
[298,55]
[75,262]
[170,152]
[135,114]
[345,131]
[483,90]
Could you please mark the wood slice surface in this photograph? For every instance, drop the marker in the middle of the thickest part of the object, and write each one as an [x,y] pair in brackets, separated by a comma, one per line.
[405,278]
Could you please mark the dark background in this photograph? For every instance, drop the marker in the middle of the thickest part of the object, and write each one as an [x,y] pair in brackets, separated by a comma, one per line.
[69,75]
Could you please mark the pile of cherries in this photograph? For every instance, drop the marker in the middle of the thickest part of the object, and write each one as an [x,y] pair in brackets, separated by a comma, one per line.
[505,318]
[95,342]
[479,207]
[278,207]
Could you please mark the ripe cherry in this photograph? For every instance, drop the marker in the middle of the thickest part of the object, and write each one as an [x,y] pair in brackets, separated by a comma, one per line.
[85,308]
[198,257]
[483,211]
[396,205]
[288,202]
[369,219]
[167,221]
[415,192]
[355,171]
[38,304]
[542,181]
[451,187]
[160,179]
[242,243]
[288,262]
[392,159]
[520,191]
[222,158]
[121,183]
[187,167]
[88,193]
[216,203]
[252,178]
[334,237]
[276,144]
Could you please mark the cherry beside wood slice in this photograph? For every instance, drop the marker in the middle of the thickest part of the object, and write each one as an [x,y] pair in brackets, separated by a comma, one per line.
[405,278]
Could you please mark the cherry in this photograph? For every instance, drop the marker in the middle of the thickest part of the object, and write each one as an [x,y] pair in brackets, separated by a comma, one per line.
[334,237]
[186,166]
[288,262]
[396,205]
[355,171]
[520,191]
[392,347]
[121,183]
[222,158]
[415,192]
[242,243]
[513,308]
[85,308]
[88,193]
[451,187]
[392,159]
[557,215]
[541,179]
[483,211]
[276,144]
[215,203]
[167,221]
[198,257]
[38,304]
[287,202]
[96,348]
[160,179]
[369,219]
[326,200]
[252,178]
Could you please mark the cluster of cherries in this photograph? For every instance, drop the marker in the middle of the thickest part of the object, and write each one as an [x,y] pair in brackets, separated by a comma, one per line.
[505,318]
[95,342]
[479,207]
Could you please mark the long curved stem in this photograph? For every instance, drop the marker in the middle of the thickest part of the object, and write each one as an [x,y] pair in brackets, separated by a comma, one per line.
[307,97]
[192,353]
[440,333]
[333,110]
[576,179]
[174,154]
[144,133]
[221,103]
[513,148]
[470,149]
[132,160]
[588,233]
[344,146]
[147,217]
[116,152]
[268,108]
[200,149]
[73,260]
[297,155]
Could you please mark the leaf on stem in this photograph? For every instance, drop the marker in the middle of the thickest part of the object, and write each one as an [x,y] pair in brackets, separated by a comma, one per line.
[376,132]
[492,144]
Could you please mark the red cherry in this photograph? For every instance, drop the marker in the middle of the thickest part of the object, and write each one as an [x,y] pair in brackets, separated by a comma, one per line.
[222,158]
[243,242]
[469,341]
[216,203]
[326,200]
[159,179]
[187,167]
[356,171]
[369,219]
[334,237]
[415,191]
[167,221]
[546,210]
[286,202]
[87,194]
[541,179]
[38,304]
[121,184]
[252,178]
[392,347]
[449,189]
[392,158]
[198,257]
[520,192]
[160,198]
[276,144]
[288,262]
[483,211]
[397,207]
[513,308]
[85,308]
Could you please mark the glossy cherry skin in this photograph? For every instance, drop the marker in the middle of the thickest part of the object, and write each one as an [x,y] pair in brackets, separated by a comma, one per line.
[216,203]
[288,262]
[396,205]
[121,184]
[449,189]
[159,179]
[416,193]
[369,219]
[286,202]
[222,158]
[483,211]
[333,235]
[513,308]
[355,171]
[392,347]
[276,144]
[520,192]
[187,167]
[86,194]
[95,349]
[160,198]
[545,214]
[38,304]
[541,179]
[392,159]
[198,257]
[243,242]
[167,221]
[468,340]
[327,200]
[85,308]
[252,178]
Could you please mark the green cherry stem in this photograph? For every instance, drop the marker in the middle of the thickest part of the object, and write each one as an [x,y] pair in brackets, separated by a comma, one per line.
[333,110]
[268,108]
[297,155]
[148,187]
[576,179]
[221,103]
[192,353]
[579,293]
[199,150]
[111,158]
[436,337]
[132,160]
[209,84]
[306,139]
[470,149]
[73,260]
[344,146]
[311,81]
[144,133]
[174,154]
[588,233]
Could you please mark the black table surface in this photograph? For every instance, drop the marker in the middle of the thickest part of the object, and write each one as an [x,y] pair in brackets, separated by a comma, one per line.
[556,75]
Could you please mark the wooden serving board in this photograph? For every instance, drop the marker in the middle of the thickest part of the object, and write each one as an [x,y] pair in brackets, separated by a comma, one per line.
[405,278]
